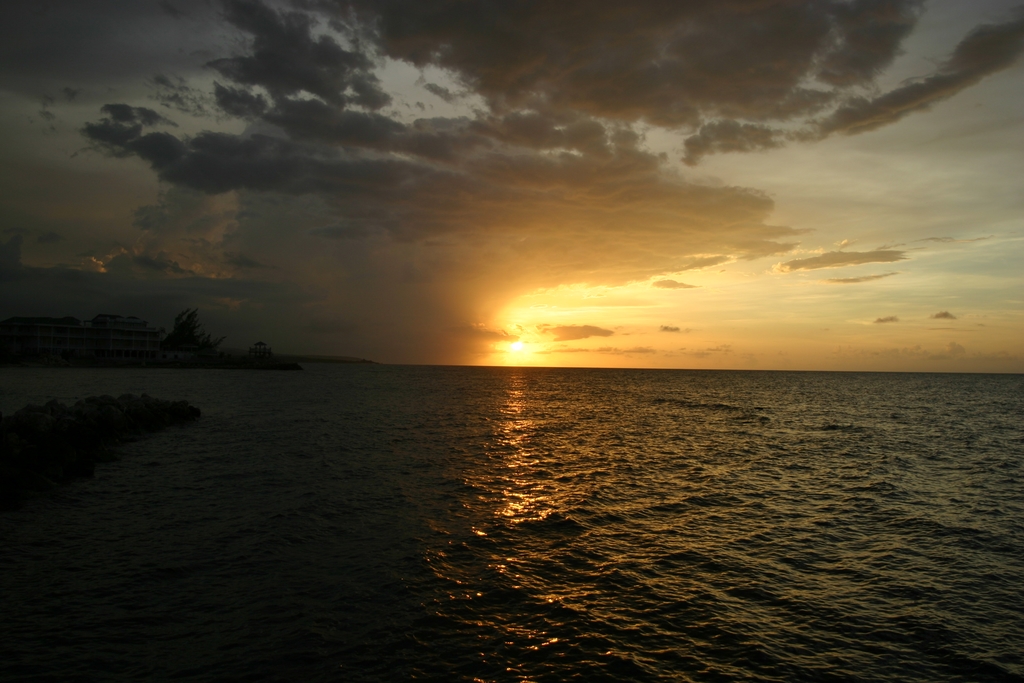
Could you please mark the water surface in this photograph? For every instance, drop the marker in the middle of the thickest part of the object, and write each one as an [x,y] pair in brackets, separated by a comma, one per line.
[380,523]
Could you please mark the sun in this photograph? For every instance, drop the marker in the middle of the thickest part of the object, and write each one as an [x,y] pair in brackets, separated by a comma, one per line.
[516,346]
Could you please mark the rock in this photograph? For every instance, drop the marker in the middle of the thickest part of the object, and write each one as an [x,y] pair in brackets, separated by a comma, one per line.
[56,408]
[44,445]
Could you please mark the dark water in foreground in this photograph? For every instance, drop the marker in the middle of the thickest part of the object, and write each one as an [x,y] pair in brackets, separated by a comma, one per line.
[376,523]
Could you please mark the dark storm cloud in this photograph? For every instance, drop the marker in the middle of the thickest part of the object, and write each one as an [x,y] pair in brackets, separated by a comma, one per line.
[484,187]
[10,258]
[986,50]
[126,114]
[160,263]
[243,261]
[575,332]
[93,47]
[120,132]
[49,237]
[315,120]
[239,102]
[174,92]
[62,291]
[331,326]
[171,10]
[724,67]
[838,259]
[539,156]
[868,40]
[288,59]
[730,136]
[220,162]
[669,63]
[341,231]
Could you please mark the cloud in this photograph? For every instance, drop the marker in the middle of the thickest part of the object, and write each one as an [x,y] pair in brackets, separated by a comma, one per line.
[839,259]
[854,280]
[669,64]
[330,326]
[617,351]
[607,350]
[239,102]
[730,136]
[49,237]
[543,177]
[287,58]
[672,328]
[117,134]
[10,258]
[126,114]
[558,215]
[442,92]
[952,240]
[574,332]
[171,10]
[341,231]
[953,351]
[243,261]
[943,315]
[710,351]
[174,92]
[887,319]
[161,262]
[984,51]
[481,332]
[672,284]
[704,262]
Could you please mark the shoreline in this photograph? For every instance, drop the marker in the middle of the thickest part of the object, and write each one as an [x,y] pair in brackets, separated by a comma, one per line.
[284,362]
[171,365]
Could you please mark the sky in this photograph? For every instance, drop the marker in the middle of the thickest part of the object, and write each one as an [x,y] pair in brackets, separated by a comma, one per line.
[747,184]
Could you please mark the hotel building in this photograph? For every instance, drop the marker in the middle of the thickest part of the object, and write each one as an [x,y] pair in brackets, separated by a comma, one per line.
[105,336]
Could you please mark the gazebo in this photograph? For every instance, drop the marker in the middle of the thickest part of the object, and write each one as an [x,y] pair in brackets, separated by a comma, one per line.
[260,350]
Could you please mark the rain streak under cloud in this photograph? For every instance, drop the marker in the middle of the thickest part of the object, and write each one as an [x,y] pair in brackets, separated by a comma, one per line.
[515,183]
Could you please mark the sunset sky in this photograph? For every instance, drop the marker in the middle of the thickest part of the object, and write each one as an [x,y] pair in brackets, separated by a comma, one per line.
[771,184]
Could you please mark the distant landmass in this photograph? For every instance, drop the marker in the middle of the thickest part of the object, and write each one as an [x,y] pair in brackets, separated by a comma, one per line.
[304,358]
[321,359]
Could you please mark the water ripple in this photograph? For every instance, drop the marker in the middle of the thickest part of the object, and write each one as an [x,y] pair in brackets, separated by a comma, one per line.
[386,523]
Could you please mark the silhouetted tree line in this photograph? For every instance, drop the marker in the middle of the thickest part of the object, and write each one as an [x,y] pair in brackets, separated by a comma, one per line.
[188,330]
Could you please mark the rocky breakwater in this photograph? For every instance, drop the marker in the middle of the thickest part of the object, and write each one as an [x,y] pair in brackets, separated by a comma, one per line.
[41,446]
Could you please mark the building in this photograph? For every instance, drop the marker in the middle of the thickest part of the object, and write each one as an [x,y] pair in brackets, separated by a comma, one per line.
[105,336]
[260,350]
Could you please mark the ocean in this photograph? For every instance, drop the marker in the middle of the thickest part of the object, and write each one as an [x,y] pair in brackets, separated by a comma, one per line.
[386,523]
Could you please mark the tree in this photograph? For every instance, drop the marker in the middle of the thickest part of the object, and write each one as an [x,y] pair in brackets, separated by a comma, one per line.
[188,330]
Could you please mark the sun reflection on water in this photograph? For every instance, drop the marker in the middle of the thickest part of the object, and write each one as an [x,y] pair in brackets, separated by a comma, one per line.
[522,497]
